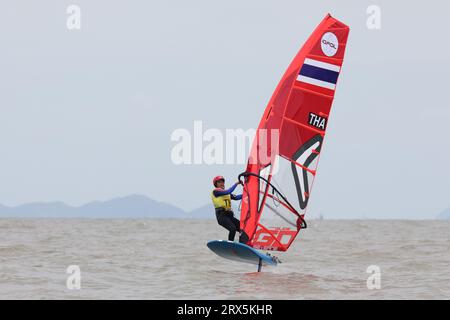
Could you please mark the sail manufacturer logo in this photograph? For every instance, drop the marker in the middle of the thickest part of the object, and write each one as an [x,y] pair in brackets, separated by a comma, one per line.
[317,121]
[266,241]
[329,44]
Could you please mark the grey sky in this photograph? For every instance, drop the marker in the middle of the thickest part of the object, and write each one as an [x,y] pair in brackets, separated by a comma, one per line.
[88,114]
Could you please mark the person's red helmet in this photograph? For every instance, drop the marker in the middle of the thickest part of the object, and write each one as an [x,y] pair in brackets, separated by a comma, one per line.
[218,178]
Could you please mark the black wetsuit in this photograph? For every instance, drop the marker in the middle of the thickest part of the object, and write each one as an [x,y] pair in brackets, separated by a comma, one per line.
[227,220]
[226,217]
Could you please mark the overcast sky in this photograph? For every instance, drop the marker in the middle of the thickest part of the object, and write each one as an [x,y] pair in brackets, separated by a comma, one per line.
[88,114]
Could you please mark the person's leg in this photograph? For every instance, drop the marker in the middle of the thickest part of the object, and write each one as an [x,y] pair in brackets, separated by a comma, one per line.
[237,224]
[231,235]
[225,221]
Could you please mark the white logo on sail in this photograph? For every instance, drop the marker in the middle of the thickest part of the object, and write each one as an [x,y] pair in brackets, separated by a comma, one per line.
[329,44]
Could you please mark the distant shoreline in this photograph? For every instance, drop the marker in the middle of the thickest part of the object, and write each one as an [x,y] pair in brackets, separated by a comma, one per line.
[213,219]
[140,207]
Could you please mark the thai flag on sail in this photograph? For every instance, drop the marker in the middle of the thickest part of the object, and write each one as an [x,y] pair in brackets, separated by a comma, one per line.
[319,73]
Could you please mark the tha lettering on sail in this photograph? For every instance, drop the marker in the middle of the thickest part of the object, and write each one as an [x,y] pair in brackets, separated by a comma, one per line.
[317,121]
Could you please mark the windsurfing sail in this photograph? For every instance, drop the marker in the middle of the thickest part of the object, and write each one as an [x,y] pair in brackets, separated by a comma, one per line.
[283,160]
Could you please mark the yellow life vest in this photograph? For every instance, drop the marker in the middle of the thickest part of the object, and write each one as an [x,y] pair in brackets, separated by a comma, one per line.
[223,202]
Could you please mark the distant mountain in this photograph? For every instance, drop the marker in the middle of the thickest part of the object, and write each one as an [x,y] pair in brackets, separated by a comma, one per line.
[3,209]
[207,212]
[444,215]
[133,206]
[204,212]
[40,210]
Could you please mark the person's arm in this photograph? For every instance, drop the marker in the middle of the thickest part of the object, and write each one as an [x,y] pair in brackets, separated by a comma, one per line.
[236,197]
[218,192]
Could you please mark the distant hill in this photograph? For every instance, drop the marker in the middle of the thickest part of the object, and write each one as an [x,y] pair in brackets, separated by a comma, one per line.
[444,215]
[204,212]
[207,212]
[133,206]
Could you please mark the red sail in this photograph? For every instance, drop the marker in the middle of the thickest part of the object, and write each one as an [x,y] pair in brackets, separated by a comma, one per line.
[285,153]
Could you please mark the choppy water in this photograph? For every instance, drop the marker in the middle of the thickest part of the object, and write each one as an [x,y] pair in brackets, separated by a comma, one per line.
[168,259]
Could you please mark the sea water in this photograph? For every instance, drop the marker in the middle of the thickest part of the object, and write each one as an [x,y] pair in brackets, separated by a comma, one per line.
[169,259]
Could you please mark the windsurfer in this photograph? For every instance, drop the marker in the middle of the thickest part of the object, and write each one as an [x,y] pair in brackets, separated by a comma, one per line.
[221,199]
